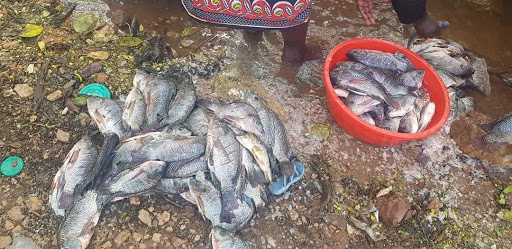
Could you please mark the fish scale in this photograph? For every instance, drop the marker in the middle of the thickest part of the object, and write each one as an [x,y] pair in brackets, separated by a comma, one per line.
[137,180]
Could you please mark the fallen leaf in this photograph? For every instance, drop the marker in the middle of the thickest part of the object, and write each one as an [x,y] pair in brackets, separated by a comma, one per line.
[507,190]
[41,45]
[86,23]
[31,30]
[384,192]
[129,41]
[98,55]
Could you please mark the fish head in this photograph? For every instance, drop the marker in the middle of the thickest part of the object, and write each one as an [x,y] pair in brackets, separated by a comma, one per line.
[250,123]
[356,53]
[153,169]
[253,99]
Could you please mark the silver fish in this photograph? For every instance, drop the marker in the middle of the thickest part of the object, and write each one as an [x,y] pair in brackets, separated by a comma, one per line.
[392,124]
[275,136]
[377,113]
[77,228]
[420,103]
[412,79]
[172,186]
[157,94]
[239,114]
[136,180]
[186,168]
[368,118]
[388,80]
[78,164]
[222,239]
[224,162]
[342,93]
[403,58]
[443,61]
[362,84]
[141,78]
[134,110]
[182,105]
[479,79]
[406,104]
[256,186]
[171,150]
[258,151]
[179,130]
[107,115]
[360,104]
[198,122]
[450,80]
[409,123]
[377,59]
[501,132]
[426,116]
[206,197]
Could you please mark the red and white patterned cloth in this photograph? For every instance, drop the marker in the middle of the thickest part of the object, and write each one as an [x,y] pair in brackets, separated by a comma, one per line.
[250,13]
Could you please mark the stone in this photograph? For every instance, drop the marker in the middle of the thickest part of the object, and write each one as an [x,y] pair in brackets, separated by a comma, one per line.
[186,43]
[107,244]
[119,17]
[15,214]
[86,22]
[310,73]
[433,206]
[136,237]
[177,242]
[71,106]
[23,242]
[163,217]
[23,90]
[156,237]
[32,118]
[54,95]
[145,217]
[84,118]
[271,241]
[134,200]
[101,78]
[62,136]
[392,209]
[34,204]
[121,237]
[11,44]
[5,241]
[105,34]
[8,225]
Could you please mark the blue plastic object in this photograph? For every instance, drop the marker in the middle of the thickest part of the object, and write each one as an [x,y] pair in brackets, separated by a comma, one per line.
[283,183]
[97,90]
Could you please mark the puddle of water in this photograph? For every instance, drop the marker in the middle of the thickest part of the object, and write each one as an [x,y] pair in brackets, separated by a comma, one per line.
[497,104]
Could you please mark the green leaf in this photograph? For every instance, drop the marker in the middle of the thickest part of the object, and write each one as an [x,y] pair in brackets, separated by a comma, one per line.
[31,30]
[129,41]
[502,200]
[507,215]
[86,23]
[80,101]
[507,190]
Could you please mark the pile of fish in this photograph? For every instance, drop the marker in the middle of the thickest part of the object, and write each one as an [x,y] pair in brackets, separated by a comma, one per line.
[457,68]
[384,89]
[218,156]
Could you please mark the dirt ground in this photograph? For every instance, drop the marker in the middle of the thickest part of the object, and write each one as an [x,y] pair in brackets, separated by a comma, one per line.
[454,203]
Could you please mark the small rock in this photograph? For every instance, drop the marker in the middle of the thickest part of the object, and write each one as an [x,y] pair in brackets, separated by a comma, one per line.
[186,43]
[98,55]
[156,237]
[54,95]
[121,237]
[107,244]
[271,241]
[23,90]
[33,118]
[433,206]
[177,242]
[134,200]
[30,68]
[101,78]
[142,246]
[151,209]
[34,204]
[91,69]
[197,238]
[119,17]
[293,215]
[71,106]
[5,241]
[145,217]
[85,120]
[23,242]
[15,214]
[17,229]
[11,44]
[8,225]
[63,136]
[392,209]
[163,217]
[136,237]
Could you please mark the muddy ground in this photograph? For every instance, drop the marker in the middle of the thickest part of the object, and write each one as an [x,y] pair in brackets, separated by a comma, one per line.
[455,204]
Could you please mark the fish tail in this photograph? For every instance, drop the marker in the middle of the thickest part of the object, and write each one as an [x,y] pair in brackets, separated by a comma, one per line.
[256,177]
[228,202]
[66,201]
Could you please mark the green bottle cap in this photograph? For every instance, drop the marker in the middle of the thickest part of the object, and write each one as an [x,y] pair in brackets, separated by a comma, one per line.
[12,166]
[97,90]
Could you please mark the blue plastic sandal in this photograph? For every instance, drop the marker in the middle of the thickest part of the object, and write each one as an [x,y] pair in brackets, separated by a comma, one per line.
[282,184]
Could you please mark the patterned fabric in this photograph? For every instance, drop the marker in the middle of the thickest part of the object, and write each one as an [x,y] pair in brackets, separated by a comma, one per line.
[250,13]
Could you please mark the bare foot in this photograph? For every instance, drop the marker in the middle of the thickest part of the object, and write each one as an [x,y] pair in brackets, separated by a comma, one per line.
[293,54]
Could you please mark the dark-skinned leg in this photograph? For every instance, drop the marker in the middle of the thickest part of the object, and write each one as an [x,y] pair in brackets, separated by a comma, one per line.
[294,43]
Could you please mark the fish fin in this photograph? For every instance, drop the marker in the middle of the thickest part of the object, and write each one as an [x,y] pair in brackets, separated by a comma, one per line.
[66,201]
[208,104]
[256,177]
[228,203]
[479,143]
[498,145]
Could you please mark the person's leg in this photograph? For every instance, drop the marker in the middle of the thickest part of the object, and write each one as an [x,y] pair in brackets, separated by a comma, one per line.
[294,43]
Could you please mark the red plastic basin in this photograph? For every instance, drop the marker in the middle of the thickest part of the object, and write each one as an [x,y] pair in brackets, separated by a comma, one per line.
[366,132]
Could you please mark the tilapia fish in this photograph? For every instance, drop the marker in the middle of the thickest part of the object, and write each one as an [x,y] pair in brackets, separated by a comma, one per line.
[368,118]
[107,115]
[77,228]
[137,180]
[186,168]
[443,61]
[182,105]
[157,94]
[275,136]
[388,80]
[501,132]
[205,196]
[78,164]
[403,58]
[179,130]
[239,114]
[409,123]
[412,79]
[256,187]
[134,110]
[362,84]
[172,186]
[392,124]
[426,116]
[360,104]
[406,103]
[222,239]
[224,162]
[258,151]
[377,59]
[174,149]
[141,78]
[197,122]
[479,79]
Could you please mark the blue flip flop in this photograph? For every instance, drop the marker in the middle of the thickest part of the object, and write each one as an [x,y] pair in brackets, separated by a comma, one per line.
[282,184]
